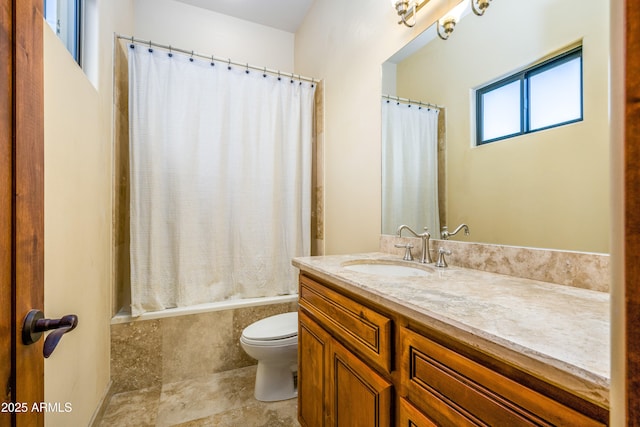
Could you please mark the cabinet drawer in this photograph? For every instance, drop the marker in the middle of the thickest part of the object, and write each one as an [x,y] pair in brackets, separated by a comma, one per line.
[409,416]
[364,330]
[436,377]
[442,414]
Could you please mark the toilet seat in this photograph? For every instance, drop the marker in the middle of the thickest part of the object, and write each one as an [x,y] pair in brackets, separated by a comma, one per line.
[280,329]
[270,343]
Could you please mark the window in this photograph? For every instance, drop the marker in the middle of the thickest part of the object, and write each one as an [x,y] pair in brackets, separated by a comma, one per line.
[64,17]
[541,97]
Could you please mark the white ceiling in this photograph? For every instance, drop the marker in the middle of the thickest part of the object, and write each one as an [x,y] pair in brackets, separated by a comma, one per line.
[285,15]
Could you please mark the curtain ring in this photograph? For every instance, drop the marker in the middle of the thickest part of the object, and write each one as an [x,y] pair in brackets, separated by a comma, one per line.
[150,49]
[229,64]
[247,68]
[279,78]
[170,52]
[212,62]
[132,46]
[191,57]
[264,73]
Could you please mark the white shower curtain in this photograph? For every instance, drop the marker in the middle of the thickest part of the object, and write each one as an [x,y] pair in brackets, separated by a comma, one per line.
[409,168]
[220,180]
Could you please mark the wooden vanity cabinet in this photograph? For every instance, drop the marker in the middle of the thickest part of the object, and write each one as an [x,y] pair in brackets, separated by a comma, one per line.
[347,376]
[335,387]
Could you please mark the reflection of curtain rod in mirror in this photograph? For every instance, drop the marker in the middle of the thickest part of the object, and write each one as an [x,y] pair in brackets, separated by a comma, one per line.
[411,101]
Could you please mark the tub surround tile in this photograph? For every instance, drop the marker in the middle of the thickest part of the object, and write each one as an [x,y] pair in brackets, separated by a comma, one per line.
[145,353]
[136,355]
[195,345]
[578,269]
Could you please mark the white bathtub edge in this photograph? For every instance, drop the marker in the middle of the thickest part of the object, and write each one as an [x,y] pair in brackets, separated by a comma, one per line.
[125,317]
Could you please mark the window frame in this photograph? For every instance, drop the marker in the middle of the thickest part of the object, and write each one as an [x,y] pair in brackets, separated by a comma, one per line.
[524,76]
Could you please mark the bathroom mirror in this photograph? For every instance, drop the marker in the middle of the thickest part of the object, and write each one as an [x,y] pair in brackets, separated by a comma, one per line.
[546,189]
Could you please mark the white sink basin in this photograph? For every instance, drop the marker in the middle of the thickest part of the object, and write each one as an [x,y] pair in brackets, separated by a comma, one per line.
[394,270]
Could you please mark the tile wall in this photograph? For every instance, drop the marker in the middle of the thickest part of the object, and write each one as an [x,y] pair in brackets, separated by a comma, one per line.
[149,353]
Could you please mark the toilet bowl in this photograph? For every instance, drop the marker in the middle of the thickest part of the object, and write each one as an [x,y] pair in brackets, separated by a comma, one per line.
[273,342]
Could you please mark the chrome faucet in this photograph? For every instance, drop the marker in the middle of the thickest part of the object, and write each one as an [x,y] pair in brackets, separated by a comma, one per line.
[445,232]
[426,253]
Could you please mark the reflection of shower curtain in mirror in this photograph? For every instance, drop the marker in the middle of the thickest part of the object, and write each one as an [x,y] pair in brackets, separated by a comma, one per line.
[409,168]
[220,178]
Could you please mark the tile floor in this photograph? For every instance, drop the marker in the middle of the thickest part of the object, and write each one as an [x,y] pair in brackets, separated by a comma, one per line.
[224,399]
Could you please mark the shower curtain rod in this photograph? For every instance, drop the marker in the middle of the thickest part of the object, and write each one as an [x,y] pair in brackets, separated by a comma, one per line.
[228,61]
[412,101]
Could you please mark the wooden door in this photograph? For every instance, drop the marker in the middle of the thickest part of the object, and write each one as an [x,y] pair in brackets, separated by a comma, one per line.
[359,396]
[631,228]
[21,207]
[6,118]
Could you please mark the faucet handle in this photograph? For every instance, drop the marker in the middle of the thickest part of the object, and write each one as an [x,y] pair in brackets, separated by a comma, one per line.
[407,253]
[442,263]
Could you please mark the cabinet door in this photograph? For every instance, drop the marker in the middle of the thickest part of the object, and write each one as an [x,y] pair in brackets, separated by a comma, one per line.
[314,352]
[359,396]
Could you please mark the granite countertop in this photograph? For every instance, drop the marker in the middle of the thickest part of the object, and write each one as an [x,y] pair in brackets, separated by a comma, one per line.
[557,333]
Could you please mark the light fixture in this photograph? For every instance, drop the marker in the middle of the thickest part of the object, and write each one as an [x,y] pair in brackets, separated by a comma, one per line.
[406,9]
[447,23]
[481,7]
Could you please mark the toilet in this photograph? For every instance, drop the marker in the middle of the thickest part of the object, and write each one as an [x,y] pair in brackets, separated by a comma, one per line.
[273,342]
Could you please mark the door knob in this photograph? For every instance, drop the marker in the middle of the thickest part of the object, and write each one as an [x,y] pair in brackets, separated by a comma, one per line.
[35,325]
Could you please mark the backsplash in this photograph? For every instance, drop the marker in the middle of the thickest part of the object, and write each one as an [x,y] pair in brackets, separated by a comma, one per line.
[578,269]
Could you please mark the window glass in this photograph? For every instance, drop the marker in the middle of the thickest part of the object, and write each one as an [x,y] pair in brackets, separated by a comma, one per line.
[555,95]
[501,109]
[63,16]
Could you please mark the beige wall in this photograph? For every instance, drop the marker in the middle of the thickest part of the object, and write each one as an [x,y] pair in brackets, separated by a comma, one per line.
[547,189]
[345,43]
[78,213]
[188,27]
[77,231]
